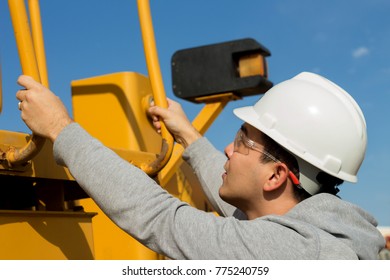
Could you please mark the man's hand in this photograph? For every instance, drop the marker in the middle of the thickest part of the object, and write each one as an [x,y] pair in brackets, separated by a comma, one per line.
[42,111]
[176,122]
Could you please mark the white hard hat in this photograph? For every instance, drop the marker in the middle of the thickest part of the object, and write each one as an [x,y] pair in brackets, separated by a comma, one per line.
[317,121]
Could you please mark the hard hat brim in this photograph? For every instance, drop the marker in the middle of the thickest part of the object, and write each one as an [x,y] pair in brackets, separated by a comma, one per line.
[248,115]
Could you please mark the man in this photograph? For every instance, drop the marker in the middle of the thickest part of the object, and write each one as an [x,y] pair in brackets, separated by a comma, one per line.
[278,183]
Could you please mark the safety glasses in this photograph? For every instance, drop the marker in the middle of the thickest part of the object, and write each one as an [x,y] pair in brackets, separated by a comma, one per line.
[242,145]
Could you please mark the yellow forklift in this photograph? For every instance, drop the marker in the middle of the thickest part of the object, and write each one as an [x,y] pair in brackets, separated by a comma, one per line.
[44,214]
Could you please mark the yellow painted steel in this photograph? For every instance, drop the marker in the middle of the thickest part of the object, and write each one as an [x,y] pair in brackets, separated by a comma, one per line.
[23,38]
[111,108]
[37,37]
[112,243]
[18,156]
[42,235]
[42,166]
[156,83]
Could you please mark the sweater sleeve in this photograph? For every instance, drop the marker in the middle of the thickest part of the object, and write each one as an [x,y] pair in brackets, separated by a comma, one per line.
[207,163]
[154,217]
[134,201]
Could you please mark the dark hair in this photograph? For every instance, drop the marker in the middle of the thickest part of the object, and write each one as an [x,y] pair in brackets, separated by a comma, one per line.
[328,182]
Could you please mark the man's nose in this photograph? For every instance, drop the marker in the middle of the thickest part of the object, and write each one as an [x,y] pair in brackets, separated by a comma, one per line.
[229,150]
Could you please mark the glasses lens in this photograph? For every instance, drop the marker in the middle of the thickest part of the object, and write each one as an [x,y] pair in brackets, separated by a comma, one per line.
[239,145]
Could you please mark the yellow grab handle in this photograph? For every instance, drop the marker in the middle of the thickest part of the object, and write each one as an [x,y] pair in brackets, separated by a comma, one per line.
[17,156]
[37,36]
[156,83]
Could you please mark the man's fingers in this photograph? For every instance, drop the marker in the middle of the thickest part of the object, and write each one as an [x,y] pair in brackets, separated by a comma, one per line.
[27,81]
[21,94]
[157,111]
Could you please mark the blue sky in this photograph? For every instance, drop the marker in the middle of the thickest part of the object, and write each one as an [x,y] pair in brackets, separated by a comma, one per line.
[346,41]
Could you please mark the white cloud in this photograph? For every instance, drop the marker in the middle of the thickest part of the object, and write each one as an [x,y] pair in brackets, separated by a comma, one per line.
[359,52]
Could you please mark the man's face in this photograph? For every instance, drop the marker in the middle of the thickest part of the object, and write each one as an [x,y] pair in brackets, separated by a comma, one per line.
[245,173]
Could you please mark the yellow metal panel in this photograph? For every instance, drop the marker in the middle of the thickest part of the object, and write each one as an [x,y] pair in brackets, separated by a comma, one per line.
[112,108]
[45,235]
[112,243]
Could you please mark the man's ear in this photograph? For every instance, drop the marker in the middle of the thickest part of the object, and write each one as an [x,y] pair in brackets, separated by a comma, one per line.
[277,177]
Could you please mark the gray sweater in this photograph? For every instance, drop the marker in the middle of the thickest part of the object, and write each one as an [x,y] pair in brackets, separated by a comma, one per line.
[320,227]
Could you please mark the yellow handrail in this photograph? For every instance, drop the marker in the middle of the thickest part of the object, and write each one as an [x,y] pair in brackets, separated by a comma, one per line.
[156,83]
[17,156]
[37,36]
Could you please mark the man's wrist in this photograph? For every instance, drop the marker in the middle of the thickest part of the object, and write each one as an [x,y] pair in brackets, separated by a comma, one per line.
[57,130]
[189,138]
